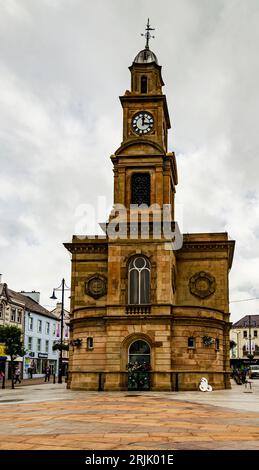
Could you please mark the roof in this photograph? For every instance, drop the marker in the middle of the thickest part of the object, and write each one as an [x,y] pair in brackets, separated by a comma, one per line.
[57,312]
[244,322]
[146,56]
[30,304]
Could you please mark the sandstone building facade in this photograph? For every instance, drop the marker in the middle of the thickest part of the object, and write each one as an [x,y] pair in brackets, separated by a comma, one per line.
[139,298]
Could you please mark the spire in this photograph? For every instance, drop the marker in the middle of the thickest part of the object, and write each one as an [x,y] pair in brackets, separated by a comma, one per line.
[147,34]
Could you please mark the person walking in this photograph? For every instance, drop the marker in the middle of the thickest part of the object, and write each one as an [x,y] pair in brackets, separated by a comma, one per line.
[47,374]
[17,374]
[30,372]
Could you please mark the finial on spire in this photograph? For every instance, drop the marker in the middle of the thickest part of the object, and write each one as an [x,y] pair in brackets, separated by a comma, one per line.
[147,34]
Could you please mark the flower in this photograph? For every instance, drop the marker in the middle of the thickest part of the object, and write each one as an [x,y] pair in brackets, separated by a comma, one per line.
[137,366]
[207,340]
[76,342]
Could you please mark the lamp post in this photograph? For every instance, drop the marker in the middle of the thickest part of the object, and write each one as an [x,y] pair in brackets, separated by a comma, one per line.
[250,355]
[61,288]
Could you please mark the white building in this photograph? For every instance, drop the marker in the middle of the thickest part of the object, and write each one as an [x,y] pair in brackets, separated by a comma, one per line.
[245,334]
[57,312]
[40,334]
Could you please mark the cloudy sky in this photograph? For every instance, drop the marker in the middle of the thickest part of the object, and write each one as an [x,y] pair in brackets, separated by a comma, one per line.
[63,64]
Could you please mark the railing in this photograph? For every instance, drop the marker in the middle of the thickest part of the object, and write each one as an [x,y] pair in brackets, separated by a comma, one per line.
[138,309]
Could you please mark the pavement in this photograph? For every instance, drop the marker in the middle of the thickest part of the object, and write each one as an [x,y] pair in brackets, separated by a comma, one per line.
[24,382]
[48,416]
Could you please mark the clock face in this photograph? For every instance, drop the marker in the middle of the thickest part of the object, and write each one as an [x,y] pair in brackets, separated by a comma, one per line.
[142,122]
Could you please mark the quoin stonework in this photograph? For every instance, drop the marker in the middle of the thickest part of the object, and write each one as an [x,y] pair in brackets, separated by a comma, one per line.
[149,306]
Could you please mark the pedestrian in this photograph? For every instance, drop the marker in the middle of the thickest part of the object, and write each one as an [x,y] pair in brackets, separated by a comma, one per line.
[243,375]
[30,372]
[47,374]
[17,374]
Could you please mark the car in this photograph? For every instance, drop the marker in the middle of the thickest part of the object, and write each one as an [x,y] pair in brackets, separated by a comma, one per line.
[254,372]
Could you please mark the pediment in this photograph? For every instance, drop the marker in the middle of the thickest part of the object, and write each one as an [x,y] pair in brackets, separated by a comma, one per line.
[140,147]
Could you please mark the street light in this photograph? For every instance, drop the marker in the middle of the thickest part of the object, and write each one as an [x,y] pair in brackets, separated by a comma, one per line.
[250,355]
[61,288]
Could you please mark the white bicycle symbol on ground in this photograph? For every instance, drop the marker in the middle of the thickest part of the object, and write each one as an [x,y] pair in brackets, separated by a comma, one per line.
[204,386]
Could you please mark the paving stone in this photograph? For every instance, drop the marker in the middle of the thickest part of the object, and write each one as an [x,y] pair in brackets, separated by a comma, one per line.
[50,418]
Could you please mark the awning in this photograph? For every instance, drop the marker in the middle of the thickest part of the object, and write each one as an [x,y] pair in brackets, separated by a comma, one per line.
[18,359]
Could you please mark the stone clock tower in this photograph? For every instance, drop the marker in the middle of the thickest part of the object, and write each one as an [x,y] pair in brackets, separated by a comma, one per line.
[149,307]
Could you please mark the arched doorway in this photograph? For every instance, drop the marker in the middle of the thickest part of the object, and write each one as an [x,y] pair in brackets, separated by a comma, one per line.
[139,355]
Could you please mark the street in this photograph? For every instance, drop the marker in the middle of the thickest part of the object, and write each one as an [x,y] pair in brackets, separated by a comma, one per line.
[48,416]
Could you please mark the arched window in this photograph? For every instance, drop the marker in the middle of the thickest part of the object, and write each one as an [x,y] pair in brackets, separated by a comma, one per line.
[139,281]
[140,189]
[139,351]
[143,84]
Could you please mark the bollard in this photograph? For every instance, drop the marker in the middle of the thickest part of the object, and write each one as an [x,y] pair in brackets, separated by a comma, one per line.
[3,384]
[54,378]
[100,387]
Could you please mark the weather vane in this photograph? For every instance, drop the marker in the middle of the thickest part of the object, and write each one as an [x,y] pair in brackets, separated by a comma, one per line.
[147,34]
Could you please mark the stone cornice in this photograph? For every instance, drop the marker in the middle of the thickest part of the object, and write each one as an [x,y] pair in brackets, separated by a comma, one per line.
[204,321]
[199,307]
[133,141]
[175,316]
[138,98]
[173,306]
[87,247]
[208,322]
[210,245]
